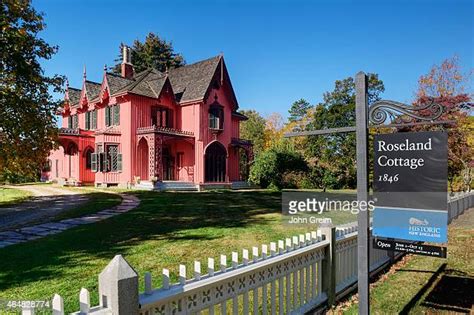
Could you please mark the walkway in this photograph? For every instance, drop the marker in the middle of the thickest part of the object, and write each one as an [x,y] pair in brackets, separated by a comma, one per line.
[47,202]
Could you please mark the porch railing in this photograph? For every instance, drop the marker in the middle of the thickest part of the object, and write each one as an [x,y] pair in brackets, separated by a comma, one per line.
[164,130]
[69,131]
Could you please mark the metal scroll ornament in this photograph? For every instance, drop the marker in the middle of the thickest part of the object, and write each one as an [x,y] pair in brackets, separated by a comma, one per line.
[399,112]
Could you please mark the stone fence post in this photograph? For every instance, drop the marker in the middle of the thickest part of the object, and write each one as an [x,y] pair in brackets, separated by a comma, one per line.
[118,287]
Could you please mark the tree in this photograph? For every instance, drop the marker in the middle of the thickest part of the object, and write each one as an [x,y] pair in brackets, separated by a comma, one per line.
[460,153]
[336,153]
[446,85]
[273,129]
[253,129]
[271,167]
[446,79]
[154,52]
[28,127]
[298,110]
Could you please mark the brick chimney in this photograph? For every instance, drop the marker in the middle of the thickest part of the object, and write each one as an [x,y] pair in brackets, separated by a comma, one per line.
[127,68]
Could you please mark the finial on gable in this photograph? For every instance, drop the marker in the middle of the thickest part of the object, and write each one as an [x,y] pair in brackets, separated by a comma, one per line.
[105,67]
[67,83]
[84,73]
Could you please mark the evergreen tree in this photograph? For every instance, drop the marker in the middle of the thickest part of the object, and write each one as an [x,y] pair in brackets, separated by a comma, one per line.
[154,52]
[298,110]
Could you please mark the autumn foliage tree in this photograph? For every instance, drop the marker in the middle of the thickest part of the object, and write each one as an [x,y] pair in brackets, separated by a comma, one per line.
[446,79]
[447,85]
[28,127]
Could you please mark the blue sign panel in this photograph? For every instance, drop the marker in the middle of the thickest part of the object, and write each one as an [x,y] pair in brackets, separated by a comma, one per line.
[411,224]
[410,186]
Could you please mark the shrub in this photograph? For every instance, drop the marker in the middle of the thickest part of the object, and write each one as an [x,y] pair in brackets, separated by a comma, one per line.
[270,167]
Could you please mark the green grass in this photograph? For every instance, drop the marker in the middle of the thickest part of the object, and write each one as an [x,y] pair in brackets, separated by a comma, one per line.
[9,196]
[425,285]
[165,230]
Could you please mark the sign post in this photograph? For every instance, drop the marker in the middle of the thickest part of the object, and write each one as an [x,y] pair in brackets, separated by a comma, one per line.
[378,113]
[363,235]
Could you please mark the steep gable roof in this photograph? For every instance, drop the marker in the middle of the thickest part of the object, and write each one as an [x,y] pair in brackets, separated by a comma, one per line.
[92,89]
[116,82]
[191,82]
[147,83]
[73,95]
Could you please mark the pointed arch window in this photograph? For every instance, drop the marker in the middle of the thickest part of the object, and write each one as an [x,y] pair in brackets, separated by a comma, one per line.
[216,117]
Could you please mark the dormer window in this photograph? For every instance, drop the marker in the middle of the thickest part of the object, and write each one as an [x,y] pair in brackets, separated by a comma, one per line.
[73,122]
[216,117]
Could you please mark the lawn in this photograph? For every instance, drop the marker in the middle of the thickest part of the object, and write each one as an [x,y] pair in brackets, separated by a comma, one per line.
[426,285]
[165,230]
[10,196]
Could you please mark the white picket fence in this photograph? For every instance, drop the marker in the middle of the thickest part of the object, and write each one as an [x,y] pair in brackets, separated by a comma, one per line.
[291,276]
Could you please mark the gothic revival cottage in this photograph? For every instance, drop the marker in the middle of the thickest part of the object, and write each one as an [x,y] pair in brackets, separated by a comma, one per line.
[180,127]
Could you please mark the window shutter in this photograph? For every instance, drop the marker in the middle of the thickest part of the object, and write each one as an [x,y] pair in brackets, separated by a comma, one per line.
[94,119]
[69,122]
[221,119]
[88,120]
[94,162]
[170,119]
[104,162]
[116,115]
[99,162]
[119,162]
[107,116]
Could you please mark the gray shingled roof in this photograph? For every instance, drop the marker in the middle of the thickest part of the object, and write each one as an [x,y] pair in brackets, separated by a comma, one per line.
[146,83]
[92,89]
[74,95]
[191,82]
[116,82]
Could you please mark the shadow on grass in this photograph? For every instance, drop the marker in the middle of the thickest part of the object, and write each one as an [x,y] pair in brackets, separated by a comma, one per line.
[452,293]
[412,303]
[160,216]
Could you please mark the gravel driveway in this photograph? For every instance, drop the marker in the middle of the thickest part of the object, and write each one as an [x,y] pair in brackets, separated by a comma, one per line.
[47,201]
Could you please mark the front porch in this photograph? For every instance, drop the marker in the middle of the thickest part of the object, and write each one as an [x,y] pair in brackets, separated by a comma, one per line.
[164,154]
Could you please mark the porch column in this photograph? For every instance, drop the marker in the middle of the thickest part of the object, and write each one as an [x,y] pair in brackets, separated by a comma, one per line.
[227,166]
[159,157]
[151,156]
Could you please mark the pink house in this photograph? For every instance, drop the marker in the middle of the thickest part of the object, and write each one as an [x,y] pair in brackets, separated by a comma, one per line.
[152,129]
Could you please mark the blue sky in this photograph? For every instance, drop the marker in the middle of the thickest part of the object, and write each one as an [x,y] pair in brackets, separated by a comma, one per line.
[276,51]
